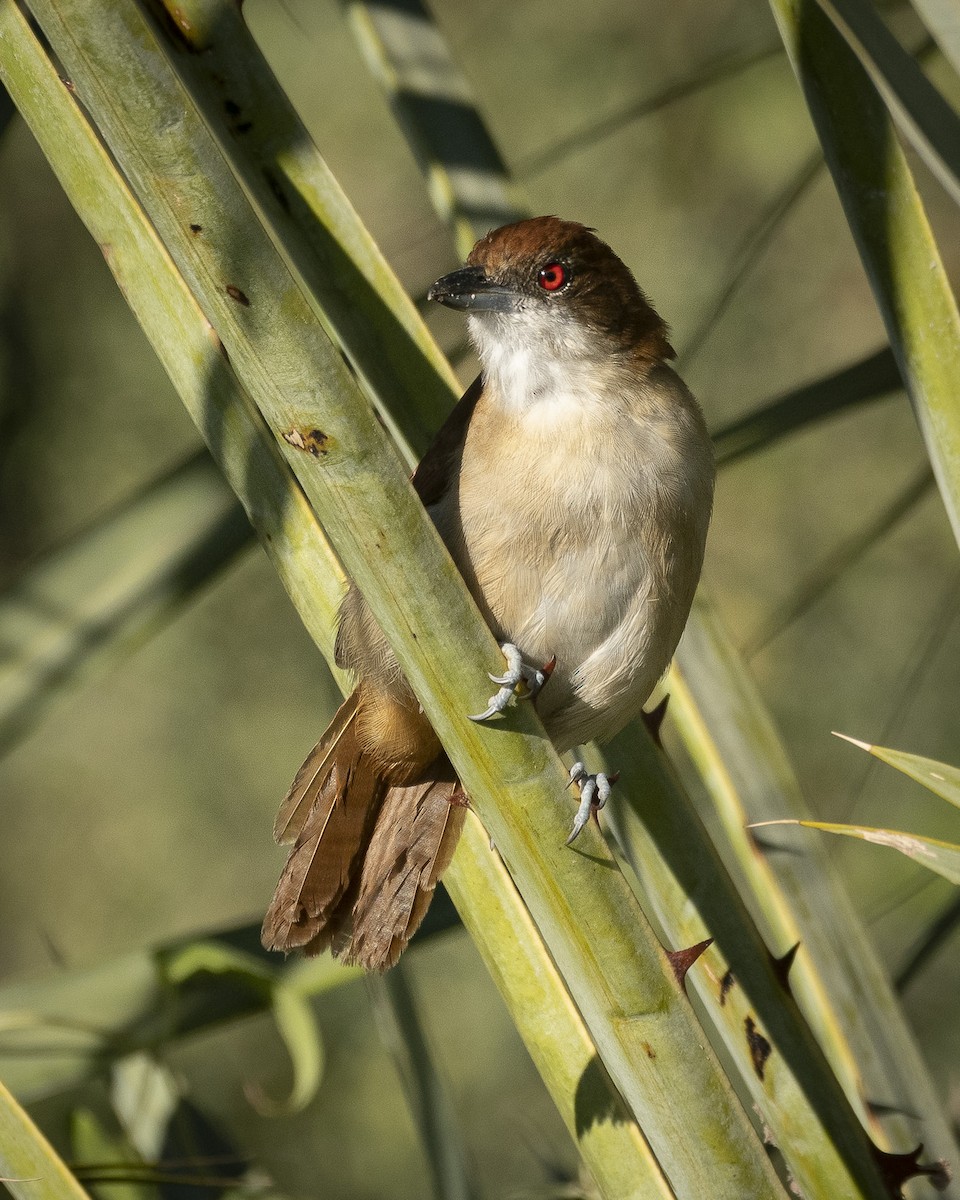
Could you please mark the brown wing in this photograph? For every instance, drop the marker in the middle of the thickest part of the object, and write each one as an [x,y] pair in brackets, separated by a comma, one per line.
[433,476]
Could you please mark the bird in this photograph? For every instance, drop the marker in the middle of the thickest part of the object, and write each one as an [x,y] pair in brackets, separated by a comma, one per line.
[573,487]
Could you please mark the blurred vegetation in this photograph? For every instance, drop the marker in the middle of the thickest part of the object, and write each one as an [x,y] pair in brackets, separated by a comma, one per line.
[139,809]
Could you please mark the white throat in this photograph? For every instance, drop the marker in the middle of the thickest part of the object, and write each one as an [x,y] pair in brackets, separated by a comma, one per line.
[542,367]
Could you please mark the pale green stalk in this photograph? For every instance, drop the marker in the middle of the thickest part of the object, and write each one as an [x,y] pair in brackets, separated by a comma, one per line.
[352,289]
[796,895]
[111,587]
[428,1097]
[890,226]
[30,1168]
[432,102]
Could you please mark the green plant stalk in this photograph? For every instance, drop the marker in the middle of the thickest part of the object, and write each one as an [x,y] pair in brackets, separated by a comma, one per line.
[890,227]
[942,18]
[743,995]
[428,1098]
[799,898]
[924,116]
[352,289]
[30,1168]
[610,1141]
[618,971]
[408,56]
[99,597]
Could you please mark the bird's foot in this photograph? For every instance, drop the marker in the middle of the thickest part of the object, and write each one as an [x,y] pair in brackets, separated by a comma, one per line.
[594,793]
[520,681]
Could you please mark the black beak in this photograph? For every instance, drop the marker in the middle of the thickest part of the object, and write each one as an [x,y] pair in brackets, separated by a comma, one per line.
[470,290]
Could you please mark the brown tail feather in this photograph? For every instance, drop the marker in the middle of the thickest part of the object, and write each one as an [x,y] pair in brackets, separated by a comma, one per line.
[330,811]
[417,830]
[299,802]
[366,854]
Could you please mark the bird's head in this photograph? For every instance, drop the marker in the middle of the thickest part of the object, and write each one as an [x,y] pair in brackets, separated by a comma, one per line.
[555,286]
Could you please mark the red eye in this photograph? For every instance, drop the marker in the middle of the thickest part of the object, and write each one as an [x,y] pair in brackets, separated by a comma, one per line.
[552,277]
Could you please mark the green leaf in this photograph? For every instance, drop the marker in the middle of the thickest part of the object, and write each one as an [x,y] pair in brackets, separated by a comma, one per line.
[30,1168]
[942,18]
[92,1143]
[298,1028]
[797,898]
[938,777]
[942,857]
[870,379]
[145,1096]
[295,1022]
[431,98]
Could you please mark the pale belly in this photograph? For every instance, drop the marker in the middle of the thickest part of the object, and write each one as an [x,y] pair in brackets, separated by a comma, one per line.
[579,524]
[578,584]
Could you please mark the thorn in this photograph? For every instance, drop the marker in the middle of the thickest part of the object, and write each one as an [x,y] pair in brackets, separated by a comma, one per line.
[896,1169]
[683,960]
[853,741]
[654,719]
[782,964]
[545,672]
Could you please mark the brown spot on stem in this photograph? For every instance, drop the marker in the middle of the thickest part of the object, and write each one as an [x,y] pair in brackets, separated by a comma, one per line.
[649,1050]
[69,85]
[196,228]
[760,1048]
[275,186]
[236,294]
[310,441]
[726,983]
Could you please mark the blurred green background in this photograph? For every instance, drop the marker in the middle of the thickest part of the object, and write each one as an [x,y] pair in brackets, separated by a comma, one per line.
[141,806]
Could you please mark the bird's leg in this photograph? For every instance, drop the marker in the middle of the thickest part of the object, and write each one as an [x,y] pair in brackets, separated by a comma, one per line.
[520,681]
[594,793]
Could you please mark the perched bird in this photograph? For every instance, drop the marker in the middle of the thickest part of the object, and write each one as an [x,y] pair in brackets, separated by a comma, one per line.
[572,485]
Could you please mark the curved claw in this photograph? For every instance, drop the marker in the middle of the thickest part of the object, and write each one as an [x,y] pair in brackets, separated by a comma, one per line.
[514,672]
[518,682]
[594,793]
